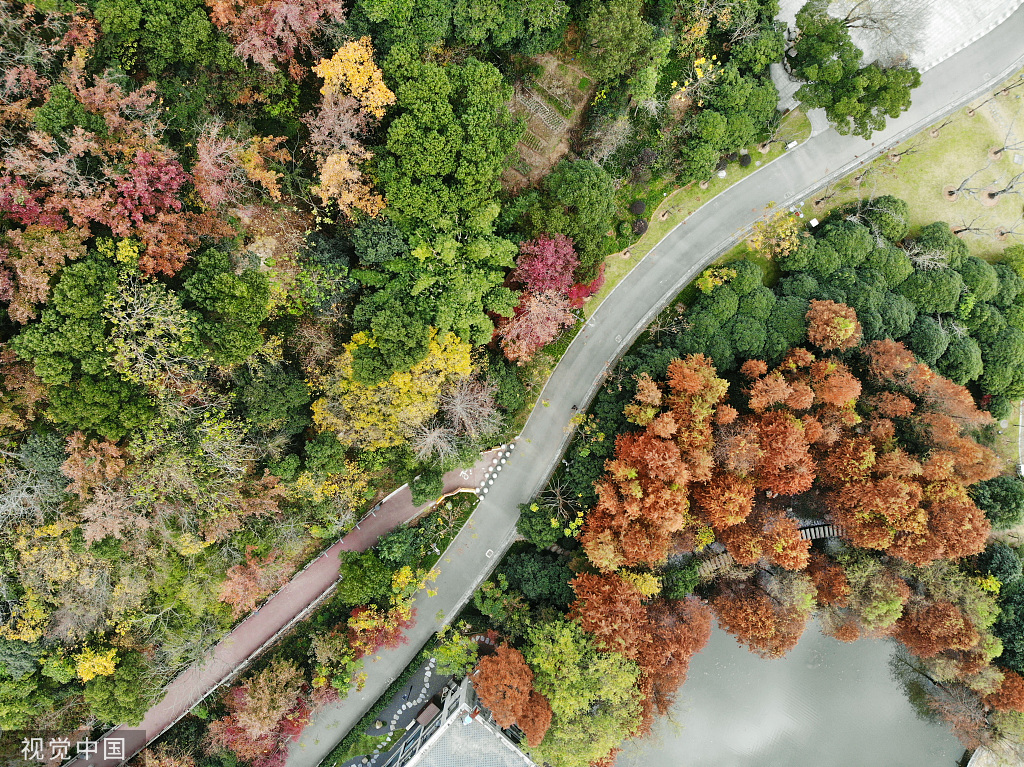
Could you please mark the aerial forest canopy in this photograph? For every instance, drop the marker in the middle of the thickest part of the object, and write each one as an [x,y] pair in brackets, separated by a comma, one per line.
[261,263]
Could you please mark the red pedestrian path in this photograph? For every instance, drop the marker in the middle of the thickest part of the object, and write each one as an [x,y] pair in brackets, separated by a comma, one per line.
[291,603]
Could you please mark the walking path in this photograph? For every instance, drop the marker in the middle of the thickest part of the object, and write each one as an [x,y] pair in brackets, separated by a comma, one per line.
[283,610]
[623,315]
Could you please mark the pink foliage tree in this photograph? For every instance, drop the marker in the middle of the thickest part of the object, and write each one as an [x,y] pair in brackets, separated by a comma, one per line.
[537,321]
[546,264]
[149,187]
[271,32]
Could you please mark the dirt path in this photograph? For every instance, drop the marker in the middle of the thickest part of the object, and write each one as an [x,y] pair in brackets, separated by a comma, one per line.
[282,610]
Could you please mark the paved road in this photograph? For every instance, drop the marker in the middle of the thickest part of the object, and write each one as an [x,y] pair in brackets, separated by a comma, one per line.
[625,312]
[282,610]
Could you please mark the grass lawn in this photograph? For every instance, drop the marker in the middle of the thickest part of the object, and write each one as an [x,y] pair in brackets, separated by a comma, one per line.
[679,204]
[934,163]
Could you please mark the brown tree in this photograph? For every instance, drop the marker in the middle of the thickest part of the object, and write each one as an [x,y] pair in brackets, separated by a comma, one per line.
[535,720]
[611,608]
[1010,695]
[766,627]
[930,628]
[832,326]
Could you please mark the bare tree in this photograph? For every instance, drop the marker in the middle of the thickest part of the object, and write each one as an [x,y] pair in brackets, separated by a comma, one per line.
[607,138]
[1014,229]
[934,132]
[1014,186]
[911,149]
[996,94]
[926,260]
[434,441]
[1010,141]
[558,498]
[894,28]
[469,406]
[964,186]
[971,226]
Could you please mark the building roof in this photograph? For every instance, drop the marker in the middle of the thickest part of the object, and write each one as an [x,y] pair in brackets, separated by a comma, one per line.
[472,744]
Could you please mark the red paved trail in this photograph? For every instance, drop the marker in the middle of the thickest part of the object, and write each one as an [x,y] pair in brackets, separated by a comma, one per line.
[277,614]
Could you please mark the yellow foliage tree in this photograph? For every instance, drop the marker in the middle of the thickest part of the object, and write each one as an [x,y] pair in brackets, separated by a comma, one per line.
[343,182]
[776,236]
[385,414]
[90,664]
[352,69]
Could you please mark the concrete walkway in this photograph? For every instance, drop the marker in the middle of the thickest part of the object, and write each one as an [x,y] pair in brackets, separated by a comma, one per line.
[281,611]
[631,306]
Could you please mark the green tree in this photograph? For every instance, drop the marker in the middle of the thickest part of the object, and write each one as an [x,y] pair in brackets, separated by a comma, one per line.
[928,340]
[503,606]
[402,546]
[447,146]
[378,240]
[68,347]
[364,579]
[1002,561]
[979,277]
[580,203]
[456,652]
[1002,500]
[933,292]
[889,216]
[857,99]
[233,306]
[273,398]
[617,35]
[593,694]
[961,362]
[124,696]
[159,33]
[541,576]
[892,263]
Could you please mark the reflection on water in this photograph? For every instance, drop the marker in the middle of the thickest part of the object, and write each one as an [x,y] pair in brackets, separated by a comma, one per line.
[826,704]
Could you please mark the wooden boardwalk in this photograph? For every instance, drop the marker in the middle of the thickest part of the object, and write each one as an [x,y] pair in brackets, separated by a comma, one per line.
[709,567]
[814,532]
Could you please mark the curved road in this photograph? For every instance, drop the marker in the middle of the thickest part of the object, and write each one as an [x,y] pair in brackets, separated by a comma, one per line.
[648,288]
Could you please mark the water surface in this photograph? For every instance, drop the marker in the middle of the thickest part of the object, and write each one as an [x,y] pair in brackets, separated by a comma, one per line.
[826,704]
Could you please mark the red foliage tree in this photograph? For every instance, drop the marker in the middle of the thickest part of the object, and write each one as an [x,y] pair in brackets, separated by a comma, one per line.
[581,291]
[274,31]
[504,683]
[248,583]
[546,264]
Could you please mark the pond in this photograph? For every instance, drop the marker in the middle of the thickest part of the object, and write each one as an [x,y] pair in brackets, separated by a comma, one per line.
[826,704]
